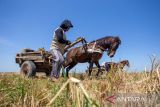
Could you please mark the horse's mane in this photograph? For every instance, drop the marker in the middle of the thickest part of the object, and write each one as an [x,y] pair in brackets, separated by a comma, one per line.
[103,39]
[100,39]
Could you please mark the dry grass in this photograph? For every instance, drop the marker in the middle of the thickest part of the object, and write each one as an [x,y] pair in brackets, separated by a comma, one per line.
[16,91]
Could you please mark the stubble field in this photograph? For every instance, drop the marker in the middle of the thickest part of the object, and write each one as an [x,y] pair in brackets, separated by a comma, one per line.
[117,88]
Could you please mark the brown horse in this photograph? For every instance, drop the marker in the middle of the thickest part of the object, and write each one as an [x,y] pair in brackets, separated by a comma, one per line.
[91,53]
[112,65]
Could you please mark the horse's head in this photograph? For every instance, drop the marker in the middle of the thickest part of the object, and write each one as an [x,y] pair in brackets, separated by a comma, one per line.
[114,44]
[124,63]
[127,63]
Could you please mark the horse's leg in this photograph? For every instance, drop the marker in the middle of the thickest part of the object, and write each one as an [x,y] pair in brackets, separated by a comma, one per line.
[108,68]
[90,69]
[70,67]
[63,72]
[99,68]
[65,64]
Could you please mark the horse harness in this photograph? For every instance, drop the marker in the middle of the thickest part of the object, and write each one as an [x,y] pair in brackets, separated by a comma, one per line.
[99,50]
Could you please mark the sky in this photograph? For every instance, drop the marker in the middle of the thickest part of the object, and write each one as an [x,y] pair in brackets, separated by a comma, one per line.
[31,23]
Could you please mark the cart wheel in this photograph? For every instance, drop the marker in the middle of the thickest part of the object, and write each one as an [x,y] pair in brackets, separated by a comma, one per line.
[28,68]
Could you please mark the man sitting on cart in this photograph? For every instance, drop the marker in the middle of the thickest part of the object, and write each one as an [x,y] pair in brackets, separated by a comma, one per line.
[57,47]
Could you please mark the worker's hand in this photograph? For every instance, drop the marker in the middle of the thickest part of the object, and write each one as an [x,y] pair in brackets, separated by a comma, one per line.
[69,42]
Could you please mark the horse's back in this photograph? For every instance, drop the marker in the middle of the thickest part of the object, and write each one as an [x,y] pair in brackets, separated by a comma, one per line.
[72,52]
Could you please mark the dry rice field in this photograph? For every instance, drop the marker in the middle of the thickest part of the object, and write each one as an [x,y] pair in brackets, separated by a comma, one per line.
[116,89]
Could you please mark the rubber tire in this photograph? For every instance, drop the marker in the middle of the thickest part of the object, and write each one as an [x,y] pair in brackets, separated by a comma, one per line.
[28,69]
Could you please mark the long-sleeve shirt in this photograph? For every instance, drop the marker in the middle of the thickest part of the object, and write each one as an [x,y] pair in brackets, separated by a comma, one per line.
[59,40]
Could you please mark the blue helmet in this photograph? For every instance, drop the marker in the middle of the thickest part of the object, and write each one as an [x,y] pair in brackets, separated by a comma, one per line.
[66,24]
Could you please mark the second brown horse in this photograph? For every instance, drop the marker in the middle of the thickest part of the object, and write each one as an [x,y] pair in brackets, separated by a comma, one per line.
[91,53]
[112,65]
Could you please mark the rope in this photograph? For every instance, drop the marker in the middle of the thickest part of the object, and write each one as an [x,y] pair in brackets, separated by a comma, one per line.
[93,46]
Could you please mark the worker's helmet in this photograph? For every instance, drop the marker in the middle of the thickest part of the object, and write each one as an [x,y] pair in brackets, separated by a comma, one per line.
[66,24]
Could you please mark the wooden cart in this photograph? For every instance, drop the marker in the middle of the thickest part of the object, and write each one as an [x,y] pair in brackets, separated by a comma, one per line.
[31,61]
